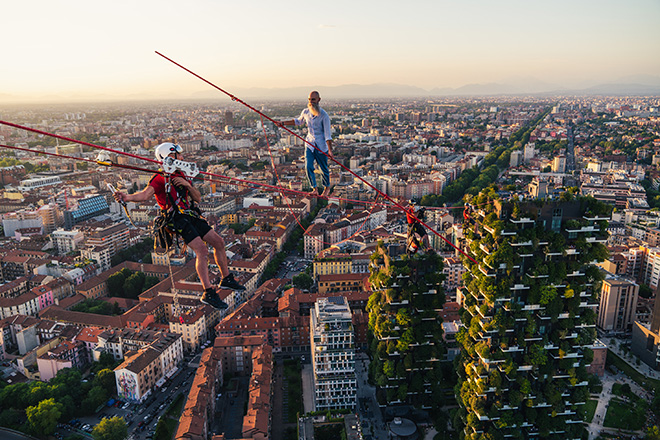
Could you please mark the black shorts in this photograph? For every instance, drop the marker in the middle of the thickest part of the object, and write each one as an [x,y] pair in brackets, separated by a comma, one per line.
[189,227]
[418,229]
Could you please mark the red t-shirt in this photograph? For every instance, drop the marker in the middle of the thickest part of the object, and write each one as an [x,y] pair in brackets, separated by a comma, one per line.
[158,184]
[409,217]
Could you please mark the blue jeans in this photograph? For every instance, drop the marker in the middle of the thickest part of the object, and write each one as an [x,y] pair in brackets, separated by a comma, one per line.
[322,160]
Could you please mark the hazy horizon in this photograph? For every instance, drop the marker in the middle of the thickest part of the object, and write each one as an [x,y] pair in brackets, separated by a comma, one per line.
[88,51]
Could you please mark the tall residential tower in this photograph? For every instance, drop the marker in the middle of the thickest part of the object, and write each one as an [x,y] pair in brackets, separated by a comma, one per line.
[529,315]
[333,354]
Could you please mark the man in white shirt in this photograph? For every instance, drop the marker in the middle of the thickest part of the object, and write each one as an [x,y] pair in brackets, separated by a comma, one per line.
[319,134]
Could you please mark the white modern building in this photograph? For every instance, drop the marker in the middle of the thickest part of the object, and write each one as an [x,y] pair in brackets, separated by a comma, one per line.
[67,241]
[333,354]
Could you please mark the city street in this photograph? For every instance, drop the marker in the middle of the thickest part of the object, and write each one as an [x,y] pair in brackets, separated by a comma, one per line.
[141,418]
[373,425]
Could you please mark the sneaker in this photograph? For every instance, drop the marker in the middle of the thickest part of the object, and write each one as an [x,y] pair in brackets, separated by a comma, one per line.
[211,298]
[230,283]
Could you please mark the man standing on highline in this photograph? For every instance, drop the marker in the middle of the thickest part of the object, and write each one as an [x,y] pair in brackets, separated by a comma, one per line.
[319,134]
[177,196]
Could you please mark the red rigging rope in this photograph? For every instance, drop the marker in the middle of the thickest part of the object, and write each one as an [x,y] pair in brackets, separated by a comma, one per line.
[241,182]
[246,183]
[84,159]
[279,124]
[76,141]
[149,171]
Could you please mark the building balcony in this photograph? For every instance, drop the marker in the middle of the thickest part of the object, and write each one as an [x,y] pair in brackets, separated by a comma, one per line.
[537,276]
[488,273]
[533,307]
[586,304]
[525,243]
[584,229]
[522,221]
[509,233]
[595,218]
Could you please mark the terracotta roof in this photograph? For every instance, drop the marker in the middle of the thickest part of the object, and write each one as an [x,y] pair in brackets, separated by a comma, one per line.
[57,313]
[71,301]
[89,334]
[17,300]
[288,302]
[236,341]
[139,360]
[344,277]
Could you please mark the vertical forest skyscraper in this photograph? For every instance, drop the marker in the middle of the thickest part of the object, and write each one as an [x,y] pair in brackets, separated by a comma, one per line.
[405,330]
[529,314]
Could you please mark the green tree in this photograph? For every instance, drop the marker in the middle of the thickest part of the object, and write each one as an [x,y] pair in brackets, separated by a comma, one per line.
[303,281]
[111,429]
[9,418]
[96,396]
[106,380]
[115,284]
[150,282]
[162,430]
[653,433]
[133,285]
[43,418]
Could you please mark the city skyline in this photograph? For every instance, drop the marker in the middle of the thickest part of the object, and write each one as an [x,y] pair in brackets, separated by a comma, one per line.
[93,51]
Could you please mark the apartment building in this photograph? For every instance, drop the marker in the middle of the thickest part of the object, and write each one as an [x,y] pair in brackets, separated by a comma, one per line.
[149,366]
[333,354]
[618,303]
[67,241]
[67,354]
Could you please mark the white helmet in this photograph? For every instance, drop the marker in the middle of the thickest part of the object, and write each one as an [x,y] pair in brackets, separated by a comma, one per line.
[167,148]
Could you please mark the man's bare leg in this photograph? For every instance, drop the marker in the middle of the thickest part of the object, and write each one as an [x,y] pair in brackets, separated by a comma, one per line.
[201,262]
[219,252]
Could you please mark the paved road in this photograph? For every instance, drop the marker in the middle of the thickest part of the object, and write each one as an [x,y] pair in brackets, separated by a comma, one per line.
[370,413]
[8,434]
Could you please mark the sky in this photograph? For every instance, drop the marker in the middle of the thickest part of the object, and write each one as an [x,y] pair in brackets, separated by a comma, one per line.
[74,49]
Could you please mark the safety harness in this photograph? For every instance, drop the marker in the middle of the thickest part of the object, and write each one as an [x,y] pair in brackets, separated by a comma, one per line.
[163,230]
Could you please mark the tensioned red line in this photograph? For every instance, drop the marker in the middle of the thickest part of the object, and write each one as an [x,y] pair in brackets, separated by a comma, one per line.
[279,124]
[135,156]
[131,167]
[111,164]
[68,139]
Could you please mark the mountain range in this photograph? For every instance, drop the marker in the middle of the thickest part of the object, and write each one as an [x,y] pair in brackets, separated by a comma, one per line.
[645,85]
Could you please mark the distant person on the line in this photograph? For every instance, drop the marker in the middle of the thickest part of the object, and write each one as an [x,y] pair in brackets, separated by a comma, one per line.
[319,135]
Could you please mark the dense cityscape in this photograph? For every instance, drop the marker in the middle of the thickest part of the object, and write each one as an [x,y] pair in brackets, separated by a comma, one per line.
[531,315]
